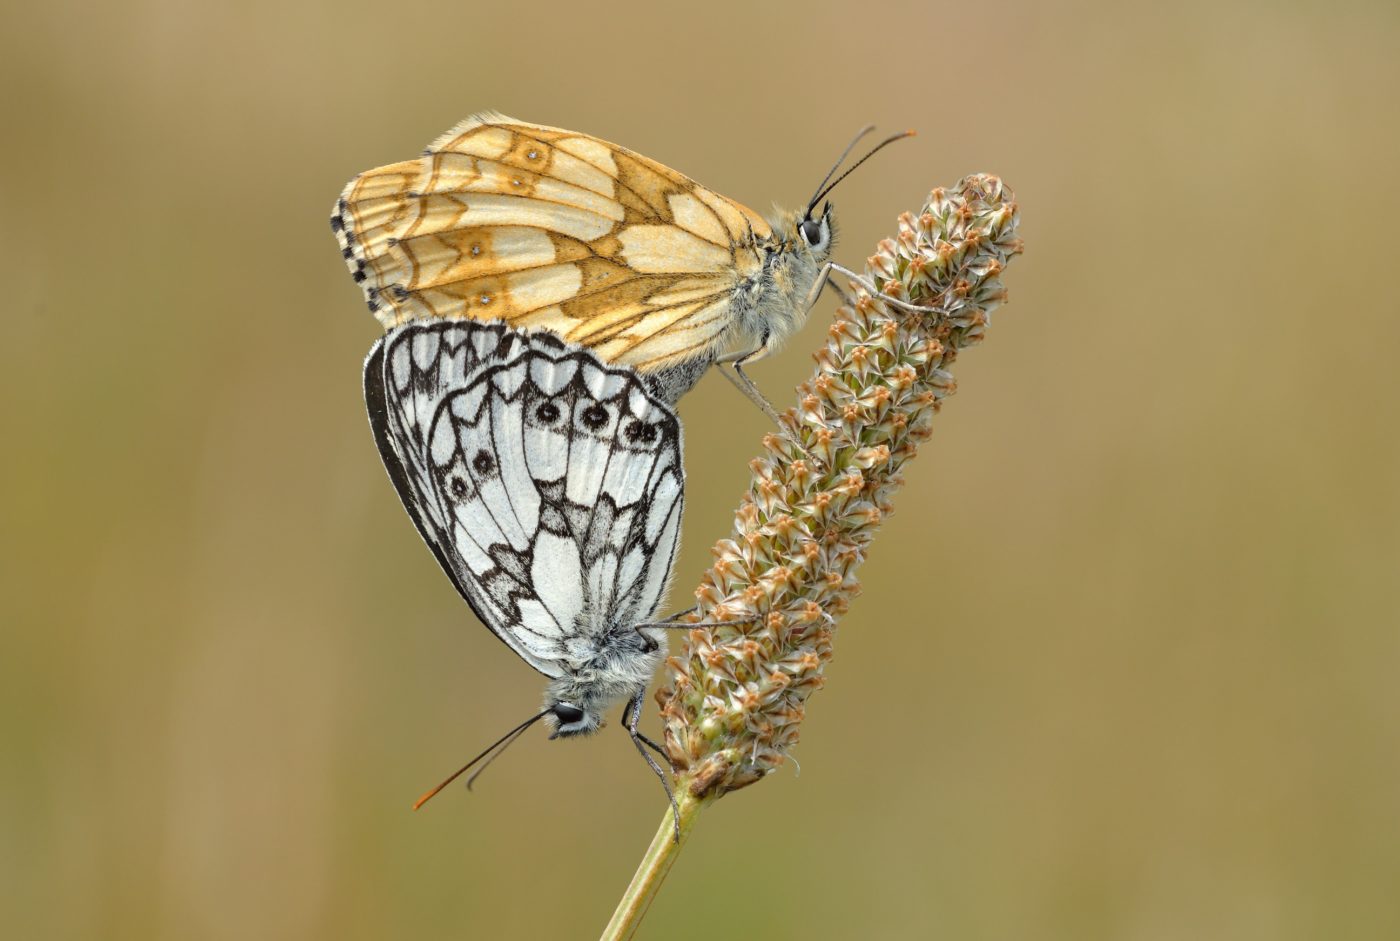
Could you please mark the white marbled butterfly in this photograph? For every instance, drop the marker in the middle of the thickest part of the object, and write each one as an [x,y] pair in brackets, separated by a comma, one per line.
[549,486]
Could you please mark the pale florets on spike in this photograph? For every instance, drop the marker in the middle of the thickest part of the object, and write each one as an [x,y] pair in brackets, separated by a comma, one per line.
[737,692]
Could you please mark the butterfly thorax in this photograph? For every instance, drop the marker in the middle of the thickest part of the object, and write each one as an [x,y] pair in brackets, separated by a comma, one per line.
[772,304]
[620,669]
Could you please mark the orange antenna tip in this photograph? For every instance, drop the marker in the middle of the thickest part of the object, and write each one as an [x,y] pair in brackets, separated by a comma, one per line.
[427,797]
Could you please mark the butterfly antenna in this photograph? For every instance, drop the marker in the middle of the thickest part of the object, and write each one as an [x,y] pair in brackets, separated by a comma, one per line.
[839,160]
[503,740]
[494,755]
[872,152]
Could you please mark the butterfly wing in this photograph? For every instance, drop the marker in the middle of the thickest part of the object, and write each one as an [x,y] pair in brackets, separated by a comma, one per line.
[406,375]
[543,227]
[415,368]
[612,508]
[548,486]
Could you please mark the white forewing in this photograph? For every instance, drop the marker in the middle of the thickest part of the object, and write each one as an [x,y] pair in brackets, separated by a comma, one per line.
[491,515]
[664,519]
[546,431]
[508,443]
[557,573]
[418,368]
[547,484]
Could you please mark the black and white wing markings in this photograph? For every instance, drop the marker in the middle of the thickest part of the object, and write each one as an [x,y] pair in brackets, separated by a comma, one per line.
[635,541]
[422,365]
[548,486]
[553,465]
[407,373]
[622,469]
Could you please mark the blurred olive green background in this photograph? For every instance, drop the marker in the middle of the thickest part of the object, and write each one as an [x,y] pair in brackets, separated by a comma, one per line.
[1126,663]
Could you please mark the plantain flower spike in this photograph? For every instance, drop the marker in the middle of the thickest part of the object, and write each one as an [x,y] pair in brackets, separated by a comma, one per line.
[737,693]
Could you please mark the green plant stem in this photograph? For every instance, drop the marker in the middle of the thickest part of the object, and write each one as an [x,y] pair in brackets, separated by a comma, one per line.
[655,864]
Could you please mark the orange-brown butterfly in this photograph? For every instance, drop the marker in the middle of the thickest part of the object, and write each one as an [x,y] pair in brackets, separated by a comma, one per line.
[500,219]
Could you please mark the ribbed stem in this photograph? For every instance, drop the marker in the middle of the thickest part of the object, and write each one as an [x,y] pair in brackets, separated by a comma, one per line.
[661,854]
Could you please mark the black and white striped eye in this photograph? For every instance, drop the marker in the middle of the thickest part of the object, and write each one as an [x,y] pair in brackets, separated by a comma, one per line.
[816,232]
[567,714]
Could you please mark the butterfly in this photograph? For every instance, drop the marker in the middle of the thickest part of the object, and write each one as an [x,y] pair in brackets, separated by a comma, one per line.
[542,227]
[549,486]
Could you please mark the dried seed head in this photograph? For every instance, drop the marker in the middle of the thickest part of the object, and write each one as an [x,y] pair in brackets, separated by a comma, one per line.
[737,693]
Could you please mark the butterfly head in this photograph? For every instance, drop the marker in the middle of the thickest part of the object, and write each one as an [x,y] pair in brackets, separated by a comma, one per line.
[815,234]
[568,719]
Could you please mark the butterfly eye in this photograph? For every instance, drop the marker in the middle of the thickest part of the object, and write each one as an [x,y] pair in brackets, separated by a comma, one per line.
[567,714]
[458,486]
[811,232]
[484,462]
[548,413]
[594,417]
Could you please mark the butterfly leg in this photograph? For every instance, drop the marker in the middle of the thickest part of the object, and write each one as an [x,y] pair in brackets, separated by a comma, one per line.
[632,716]
[825,276]
[626,710]
[825,280]
[648,644]
[743,383]
[672,624]
[829,269]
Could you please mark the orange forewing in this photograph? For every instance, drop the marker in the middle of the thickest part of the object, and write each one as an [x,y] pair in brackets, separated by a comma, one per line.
[542,227]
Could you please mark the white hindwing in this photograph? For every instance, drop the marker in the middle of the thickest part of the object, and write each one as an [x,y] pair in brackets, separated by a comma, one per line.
[548,485]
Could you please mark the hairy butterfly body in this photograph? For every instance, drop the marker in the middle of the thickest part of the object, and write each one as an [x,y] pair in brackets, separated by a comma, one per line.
[548,485]
[542,227]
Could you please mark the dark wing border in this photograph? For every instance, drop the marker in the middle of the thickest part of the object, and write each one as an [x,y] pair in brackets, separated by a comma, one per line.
[378,410]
